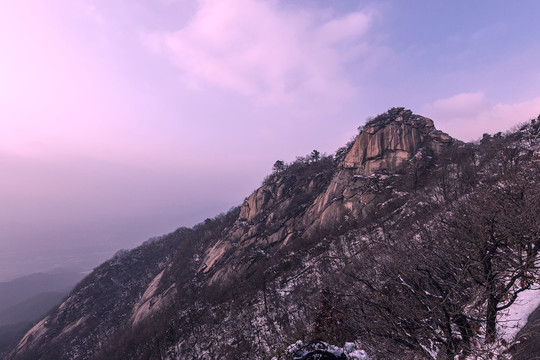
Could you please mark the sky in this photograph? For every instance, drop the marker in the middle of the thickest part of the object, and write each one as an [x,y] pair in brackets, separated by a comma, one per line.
[122,120]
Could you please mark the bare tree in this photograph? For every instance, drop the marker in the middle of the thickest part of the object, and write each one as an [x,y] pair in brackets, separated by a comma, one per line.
[432,286]
[279,166]
[498,231]
[409,293]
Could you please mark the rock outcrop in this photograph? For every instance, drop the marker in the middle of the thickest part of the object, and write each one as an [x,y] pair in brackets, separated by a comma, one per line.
[386,144]
[329,195]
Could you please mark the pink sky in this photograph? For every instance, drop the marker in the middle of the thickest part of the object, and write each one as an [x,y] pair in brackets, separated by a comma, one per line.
[123,120]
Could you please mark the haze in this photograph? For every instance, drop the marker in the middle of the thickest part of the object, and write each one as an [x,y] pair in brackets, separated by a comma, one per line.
[122,120]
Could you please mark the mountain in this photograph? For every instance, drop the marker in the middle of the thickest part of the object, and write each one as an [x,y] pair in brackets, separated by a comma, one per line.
[31,309]
[11,334]
[25,300]
[23,288]
[407,242]
[16,320]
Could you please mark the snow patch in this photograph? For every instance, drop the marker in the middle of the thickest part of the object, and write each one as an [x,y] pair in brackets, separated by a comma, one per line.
[515,317]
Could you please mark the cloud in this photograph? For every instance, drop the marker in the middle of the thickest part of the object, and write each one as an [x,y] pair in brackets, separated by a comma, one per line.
[467,116]
[260,49]
[92,12]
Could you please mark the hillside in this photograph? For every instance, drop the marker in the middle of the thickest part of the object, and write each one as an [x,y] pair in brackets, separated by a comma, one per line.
[407,241]
[23,288]
[26,299]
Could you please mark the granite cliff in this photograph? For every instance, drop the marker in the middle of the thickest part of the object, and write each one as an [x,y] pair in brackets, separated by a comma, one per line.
[389,142]
[341,192]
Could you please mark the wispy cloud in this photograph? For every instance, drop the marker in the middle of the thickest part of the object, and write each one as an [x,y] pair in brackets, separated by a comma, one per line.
[468,115]
[92,11]
[260,49]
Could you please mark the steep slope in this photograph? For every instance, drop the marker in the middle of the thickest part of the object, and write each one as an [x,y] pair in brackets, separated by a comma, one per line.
[247,283]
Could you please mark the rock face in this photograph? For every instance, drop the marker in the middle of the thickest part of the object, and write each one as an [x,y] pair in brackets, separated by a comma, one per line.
[384,146]
[388,145]
[238,276]
[270,217]
[347,192]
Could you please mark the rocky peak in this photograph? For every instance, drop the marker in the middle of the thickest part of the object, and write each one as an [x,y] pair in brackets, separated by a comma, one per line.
[389,140]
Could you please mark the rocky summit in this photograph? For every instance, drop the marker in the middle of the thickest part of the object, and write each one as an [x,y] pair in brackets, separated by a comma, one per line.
[382,247]
[389,142]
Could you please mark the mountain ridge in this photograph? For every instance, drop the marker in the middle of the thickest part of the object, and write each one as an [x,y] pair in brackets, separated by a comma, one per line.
[250,281]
